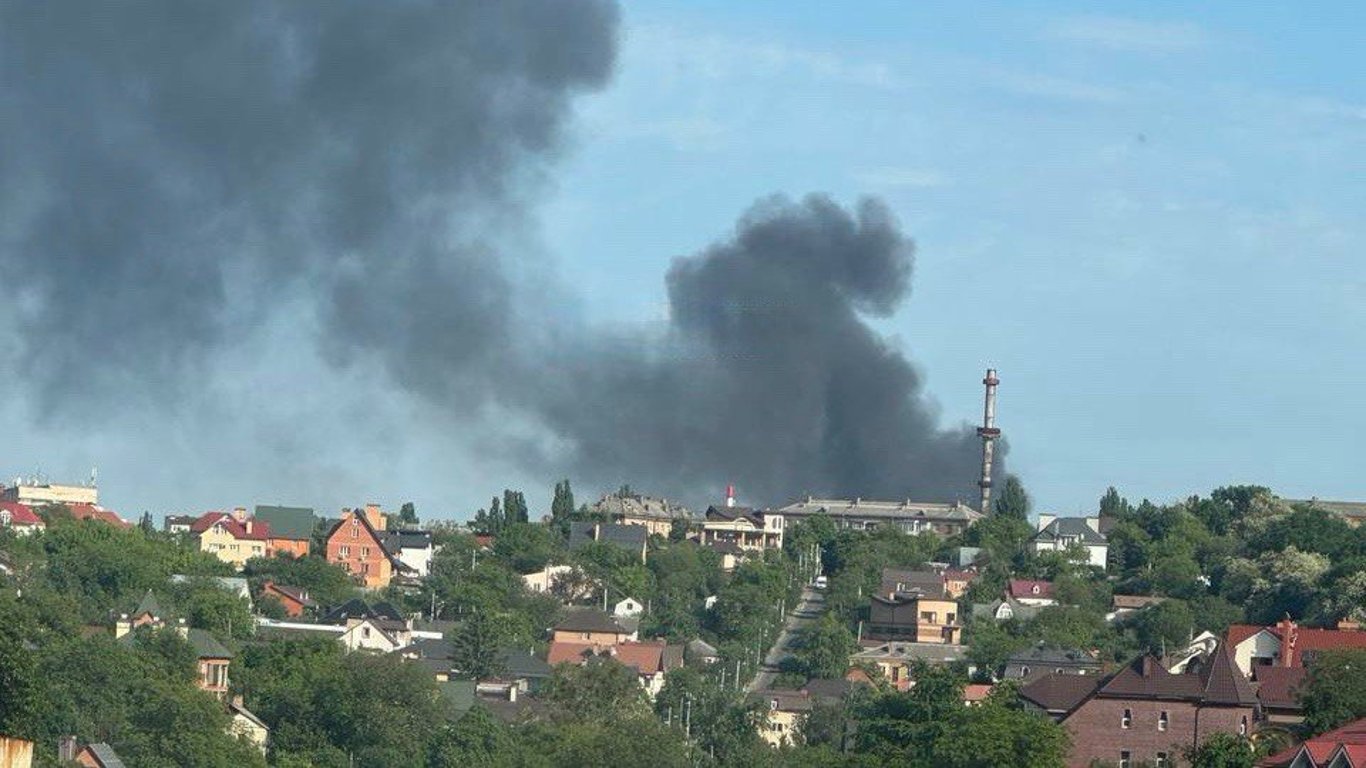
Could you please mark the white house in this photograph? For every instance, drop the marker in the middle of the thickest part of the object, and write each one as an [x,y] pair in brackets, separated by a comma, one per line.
[628,608]
[1060,533]
[412,548]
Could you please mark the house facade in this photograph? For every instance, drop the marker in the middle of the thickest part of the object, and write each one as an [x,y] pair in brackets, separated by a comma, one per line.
[1276,658]
[20,518]
[354,543]
[412,548]
[1059,534]
[291,528]
[295,600]
[748,529]
[656,516]
[914,617]
[910,516]
[233,537]
[1144,715]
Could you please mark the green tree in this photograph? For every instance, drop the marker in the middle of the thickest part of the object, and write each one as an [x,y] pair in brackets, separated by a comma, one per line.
[1335,690]
[527,548]
[1115,506]
[602,689]
[327,584]
[514,507]
[562,504]
[407,516]
[1223,750]
[1013,501]
[996,734]
[822,650]
[476,646]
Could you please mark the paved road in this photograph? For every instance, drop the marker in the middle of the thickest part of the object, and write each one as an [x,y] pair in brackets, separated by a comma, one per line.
[808,609]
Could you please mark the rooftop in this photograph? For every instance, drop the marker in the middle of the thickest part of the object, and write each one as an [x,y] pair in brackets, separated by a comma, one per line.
[295,523]
[897,510]
[1070,527]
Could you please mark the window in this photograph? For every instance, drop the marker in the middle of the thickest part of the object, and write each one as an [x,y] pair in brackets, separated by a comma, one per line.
[345,551]
[1125,760]
[1242,726]
[1127,720]
[1024,671]
[773,704]
[1162,721]
[929,617]
[1161,760]
[365,552]
[365,632]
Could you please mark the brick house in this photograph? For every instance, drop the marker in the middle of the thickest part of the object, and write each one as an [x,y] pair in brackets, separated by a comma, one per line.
[1145,715]
[291,528]
[294,599]
[1276,658]
[355,544]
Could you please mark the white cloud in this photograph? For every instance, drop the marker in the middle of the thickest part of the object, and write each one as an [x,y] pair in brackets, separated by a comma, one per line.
[1121,34]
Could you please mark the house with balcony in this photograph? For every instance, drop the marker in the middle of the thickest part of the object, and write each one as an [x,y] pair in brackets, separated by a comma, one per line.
[917,616]
[750,530]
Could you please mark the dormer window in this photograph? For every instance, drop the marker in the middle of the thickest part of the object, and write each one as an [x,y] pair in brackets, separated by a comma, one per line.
[1127,721]
[773,704]
[1034,589]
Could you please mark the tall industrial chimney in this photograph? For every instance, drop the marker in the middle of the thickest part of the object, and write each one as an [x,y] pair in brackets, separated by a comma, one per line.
[989,433]
[730,495]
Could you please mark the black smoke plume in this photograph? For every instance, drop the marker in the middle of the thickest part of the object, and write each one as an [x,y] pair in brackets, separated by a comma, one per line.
[174,174]
[768,375]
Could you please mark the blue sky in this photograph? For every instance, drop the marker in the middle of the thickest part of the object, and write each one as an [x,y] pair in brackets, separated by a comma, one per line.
[1147,216]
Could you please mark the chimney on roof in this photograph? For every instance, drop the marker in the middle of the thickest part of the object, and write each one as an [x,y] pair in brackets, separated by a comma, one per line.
[376,518]
[730,495]
[66,749]
[239,514]
[237,701]
[1290,635]
[248,524]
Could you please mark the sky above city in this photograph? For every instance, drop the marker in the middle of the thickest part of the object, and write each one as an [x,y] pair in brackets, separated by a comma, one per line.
[1145,216]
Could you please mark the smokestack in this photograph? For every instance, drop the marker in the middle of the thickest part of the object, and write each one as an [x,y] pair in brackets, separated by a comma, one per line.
[989,433]
[730,495]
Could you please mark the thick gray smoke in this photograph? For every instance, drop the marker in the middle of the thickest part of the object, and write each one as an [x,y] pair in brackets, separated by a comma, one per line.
[168,170]
[769,376]
[176,175]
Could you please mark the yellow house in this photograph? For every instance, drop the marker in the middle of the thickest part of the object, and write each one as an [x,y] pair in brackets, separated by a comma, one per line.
[233,538]
[785,713]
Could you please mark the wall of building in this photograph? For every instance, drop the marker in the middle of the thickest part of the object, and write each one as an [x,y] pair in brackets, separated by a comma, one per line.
[1261,645]
[229,548]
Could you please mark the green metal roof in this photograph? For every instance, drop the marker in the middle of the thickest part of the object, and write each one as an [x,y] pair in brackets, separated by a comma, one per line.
[287,522]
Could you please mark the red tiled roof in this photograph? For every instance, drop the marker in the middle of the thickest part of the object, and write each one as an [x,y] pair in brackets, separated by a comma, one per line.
[1025,588]
[979,691]
[1320,748]
[21,514]
[1306,638]
[260,530]
[645,658]
[1237,633]
[96,512]
[1278,686]
[562,652]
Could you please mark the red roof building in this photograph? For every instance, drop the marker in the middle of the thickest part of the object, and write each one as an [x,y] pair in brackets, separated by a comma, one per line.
[1344,747]
[96,512]
[19,517]
[1276,658]
[1031,592]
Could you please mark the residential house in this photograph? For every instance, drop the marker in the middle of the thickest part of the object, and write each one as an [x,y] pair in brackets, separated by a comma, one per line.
[233,538]
[1125,605]
[751,530]
[786,713]
[98,514]
[15,753]
[1031,592]
[951,581]
[1276,658]
[657,516]
[1033,663]
[245,724]
[702,652]
[651,659]
[212,657]
[380,627]
[917,616]
[1144,715]
[178,524]
[412,547]
[355,543]
[1059,534]
[590,625]
[974,694]
[1005,609]
[20,518]
[914,517]
[730,553]
[628,608]
[1343,747]
[896,659]
[98,755]
[632,538]
[295,600]
[965,557]
[572,582]
[291,528]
